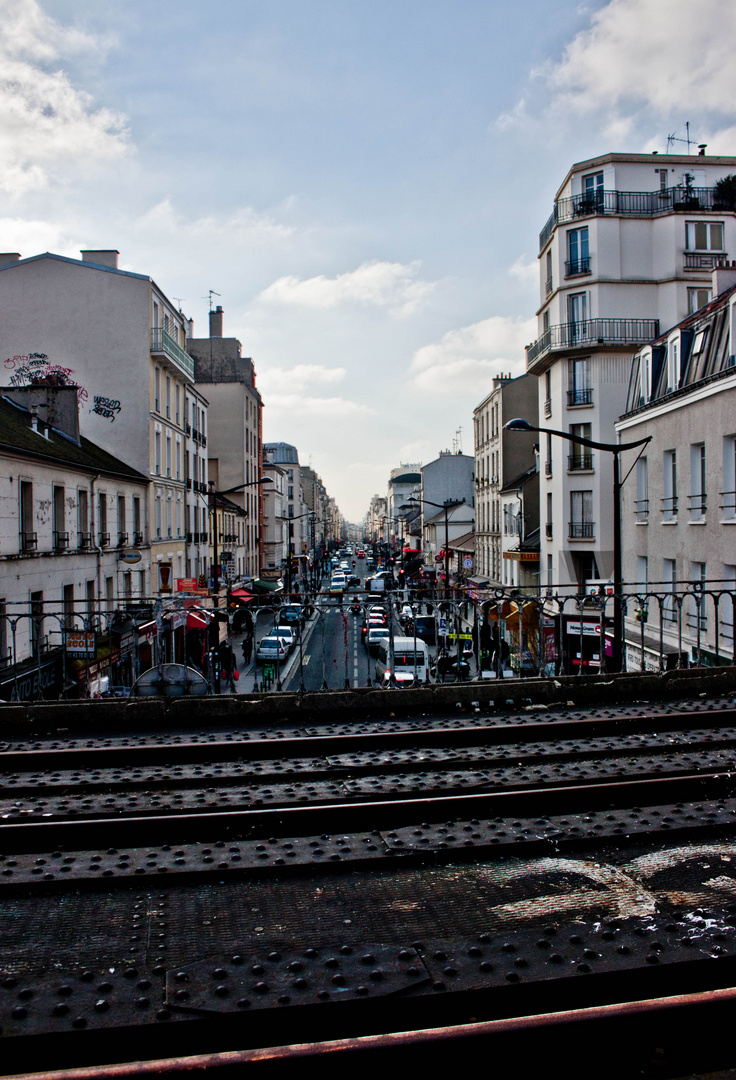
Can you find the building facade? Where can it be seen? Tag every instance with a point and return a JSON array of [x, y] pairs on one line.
[[627, 252]]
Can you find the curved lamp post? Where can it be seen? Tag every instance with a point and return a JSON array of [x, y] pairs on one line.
[[447, 505], [614, 449]]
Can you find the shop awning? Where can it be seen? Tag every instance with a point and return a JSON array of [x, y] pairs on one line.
[[261, 585], [242, 594], [197, 620]]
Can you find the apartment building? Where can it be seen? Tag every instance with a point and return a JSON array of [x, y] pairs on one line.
[[679, 505], [74, 547], [227, 380], [117, 337], [500, 457], [626, 253]]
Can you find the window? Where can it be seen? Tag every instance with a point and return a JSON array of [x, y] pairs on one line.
[[61, 537], [548, 527], [673, 366], [579, 391], [642, 491], [177, 397], [157, 390], [157, 453], [581, 515], [82, 516], [168, 395], [122, 531], [697, 482], [578, 256], [669, 484], [68, 605], [169, 515], [697, 298], [704, 235], [550, 571], [728, 506], [104, 536], [577, 315], [168, 455], [157, 513], [580, 456], [593, 191], [645, 376], [697, 616], [27, 534], [669, 577], [548, 281], [642, 572], [545, 321], [137, 518]]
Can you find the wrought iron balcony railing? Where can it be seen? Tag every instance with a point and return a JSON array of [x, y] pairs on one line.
[[162, 343], [577, 266], [591, 332], [581, 530], [579, 462], [704, 260], [580, 396]]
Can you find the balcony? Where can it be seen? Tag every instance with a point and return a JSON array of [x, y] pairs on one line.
[[85, 540], [581, 530], [577, 266], [163, 344], [61, 541], [122, 540], [137, 539], [592, 332], [631, 204], [104, 539], [28, 541], [704, 260], [580, 396], [580, 463]]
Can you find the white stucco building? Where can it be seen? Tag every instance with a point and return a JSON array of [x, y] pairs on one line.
[[117, 336], [626, 253]]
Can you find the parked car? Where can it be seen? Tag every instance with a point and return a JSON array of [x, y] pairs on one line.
[[426, 628], [287, 635], [293, 616], [374, 636], [271, 648]]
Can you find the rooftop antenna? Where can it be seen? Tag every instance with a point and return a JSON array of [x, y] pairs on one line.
[[675, 138], [457, 442], [180, 300], [209, 296]]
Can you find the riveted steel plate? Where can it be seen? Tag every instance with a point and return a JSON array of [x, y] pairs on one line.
[[240, 982]]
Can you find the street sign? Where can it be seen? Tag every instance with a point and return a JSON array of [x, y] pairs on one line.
[[130, 555], [590, 629], [467, 563]]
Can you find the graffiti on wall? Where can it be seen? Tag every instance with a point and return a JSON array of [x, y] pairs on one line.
[[107, 407], [36, 368]]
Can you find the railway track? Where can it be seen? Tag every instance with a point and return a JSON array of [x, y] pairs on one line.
[[230, 888]]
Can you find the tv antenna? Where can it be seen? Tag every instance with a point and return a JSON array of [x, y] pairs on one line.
[[676, 138], [180, 300], [457, 442], [209, 296]]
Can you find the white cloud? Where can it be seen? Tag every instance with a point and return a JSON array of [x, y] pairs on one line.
[[393, 286], [465, 361], [300, 406], [526, 270], [30, 237], [45, 122], [244, 226], [513, 118], [297, 380]]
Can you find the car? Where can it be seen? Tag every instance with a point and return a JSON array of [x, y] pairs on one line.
[[354, 582], [271, 648], [293, 616], [374, 637], [287, 635], [406, 615]]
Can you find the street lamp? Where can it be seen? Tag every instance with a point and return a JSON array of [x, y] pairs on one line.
[[447, 505], [313, 517], [615, 449], [213, 496]]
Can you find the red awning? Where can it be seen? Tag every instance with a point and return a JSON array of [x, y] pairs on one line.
[[242, 594], [197, 620]]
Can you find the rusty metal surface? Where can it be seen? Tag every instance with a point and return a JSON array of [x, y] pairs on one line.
[[609, 871]]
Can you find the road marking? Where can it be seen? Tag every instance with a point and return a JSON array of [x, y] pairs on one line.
[[305, 659]]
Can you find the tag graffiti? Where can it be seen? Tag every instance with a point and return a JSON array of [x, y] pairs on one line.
[[107, 407], [36, 368]]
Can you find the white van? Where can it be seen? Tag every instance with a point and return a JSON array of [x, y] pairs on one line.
[[411, 662]]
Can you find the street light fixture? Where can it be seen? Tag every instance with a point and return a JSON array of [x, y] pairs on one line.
[[447, 505], [213, 495], [614, 449]]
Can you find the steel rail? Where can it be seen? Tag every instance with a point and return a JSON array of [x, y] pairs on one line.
[[307, 820], [320, 745]]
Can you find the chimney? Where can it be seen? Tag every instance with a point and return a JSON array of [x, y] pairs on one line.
[[8, 257], [723, 277], [216, 322], [103, 257]]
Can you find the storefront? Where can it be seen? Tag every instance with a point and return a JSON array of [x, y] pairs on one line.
[[34, 680]]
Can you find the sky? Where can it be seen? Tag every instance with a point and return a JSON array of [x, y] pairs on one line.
[[362, 184]]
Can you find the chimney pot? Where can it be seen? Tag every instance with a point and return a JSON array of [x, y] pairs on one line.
[[101, 256], [9, 257], [216, 322]]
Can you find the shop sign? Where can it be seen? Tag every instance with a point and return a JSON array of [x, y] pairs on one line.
[[34, 683], [590, 629], [178, 619], [186, 584], [79, 643], [467, 563], [127, 642], [130, 555], [270, 574]]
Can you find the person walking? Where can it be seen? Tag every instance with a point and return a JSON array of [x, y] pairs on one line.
[[247, 647]]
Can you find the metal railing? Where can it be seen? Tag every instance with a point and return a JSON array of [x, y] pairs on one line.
[[104, 539], [548, 530], [642, 509], [703, 261], [28, 541], [579, 462], [591, 332], [631, 204], [581, 530], [548, 407], [577, 266], [580, 396], [61, 541], [698, 504], [548, 286], [163, 342]]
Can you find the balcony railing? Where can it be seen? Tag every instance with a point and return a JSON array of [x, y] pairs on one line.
[[137, 539], [631, 204], [579, 462], [61, 541], [580, 396], [28, 541], [669, 507], [581, 530], [704, 261], [84, 540], [577, 266], [548, 407], [548, 468], [548, 286], [548, 530], [122, 539], [642, 509], [104, 539], [591, 332], [697, 506], [163, 343]]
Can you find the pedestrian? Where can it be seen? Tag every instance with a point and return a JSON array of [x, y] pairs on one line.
[[247, 648]]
